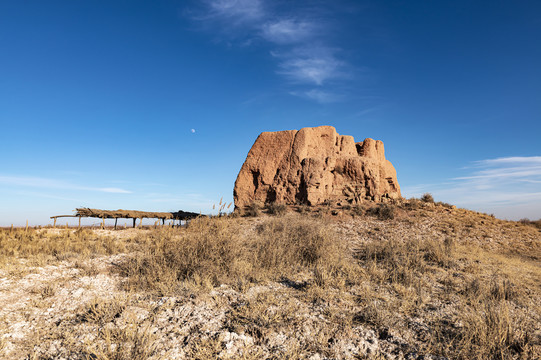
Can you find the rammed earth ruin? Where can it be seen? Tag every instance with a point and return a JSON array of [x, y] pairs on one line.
[[314, 166]]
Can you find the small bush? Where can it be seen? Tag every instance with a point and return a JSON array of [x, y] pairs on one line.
[[382, 211], [446, 205], [428, 198], [358, 210], [276, 209], [252, 210], [303, 209], [527, 221], [132, 342], [101, 311], [412, 204]]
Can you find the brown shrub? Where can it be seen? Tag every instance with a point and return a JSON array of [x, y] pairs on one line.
[[382, 211], [252, 210], [212, 251], [276, 209], [536, 223]]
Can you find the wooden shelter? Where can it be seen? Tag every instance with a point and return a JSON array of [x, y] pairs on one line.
[[129, 214]]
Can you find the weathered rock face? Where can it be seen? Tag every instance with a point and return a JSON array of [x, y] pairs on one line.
[[312, 166]]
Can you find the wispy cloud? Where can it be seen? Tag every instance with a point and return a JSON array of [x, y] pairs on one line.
[[38, 182], [310, 65], [507, 186], [45, 195], [318, 95], [507, 169], [110, 190], [289, 31], [237, 11], [513, 160], [303, 54]]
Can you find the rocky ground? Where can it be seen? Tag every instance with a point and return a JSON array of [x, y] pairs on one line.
[[432, 282]]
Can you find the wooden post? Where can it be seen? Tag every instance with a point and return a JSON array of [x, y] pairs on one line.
[[54, 224], [141, 223], [133, 222], [116, 219], [103, 222], [26, 229], [11, 228], [79, 222]]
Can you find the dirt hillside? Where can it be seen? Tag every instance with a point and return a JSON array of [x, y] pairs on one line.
[[415, 281]]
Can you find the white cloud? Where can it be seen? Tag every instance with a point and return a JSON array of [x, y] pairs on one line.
[[288, 31], [110, 190], [303, 55], [28, 181], [513, 160], [509, 187], [507, 169], [238, 11], [310, 65], [323, 97]]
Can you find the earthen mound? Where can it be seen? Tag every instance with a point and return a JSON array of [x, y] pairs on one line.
[[313, 166]]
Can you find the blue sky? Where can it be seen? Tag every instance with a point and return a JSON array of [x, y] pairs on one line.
[[153, 105]]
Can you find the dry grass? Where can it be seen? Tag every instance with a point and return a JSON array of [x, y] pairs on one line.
[[381, 211], [276, 209], [491, 313], [401, 277], [534, 223], [252, 210], [430, 280], [211, 252], [42, 246], [133, 342]]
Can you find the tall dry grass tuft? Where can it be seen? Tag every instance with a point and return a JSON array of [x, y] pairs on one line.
[[403, 262], [485, 328], [213, 251], [132, 342]]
